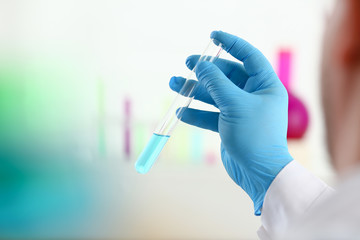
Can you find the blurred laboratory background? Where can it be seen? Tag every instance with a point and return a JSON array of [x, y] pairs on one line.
[[82, 86]]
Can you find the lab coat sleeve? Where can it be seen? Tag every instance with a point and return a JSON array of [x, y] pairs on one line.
[[294, 191]]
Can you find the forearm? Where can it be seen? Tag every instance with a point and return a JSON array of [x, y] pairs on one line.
[[293, 192]]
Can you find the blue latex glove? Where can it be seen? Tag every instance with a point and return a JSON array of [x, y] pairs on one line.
[[252, 121]]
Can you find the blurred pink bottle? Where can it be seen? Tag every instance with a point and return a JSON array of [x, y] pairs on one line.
[[298, 117], [127, 132]]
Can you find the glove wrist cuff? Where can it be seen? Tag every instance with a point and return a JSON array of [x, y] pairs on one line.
[[261, 183]]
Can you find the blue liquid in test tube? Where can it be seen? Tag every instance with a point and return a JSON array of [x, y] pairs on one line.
[[162, 133], [151, 152]]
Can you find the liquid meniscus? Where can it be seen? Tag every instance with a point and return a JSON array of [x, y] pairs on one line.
[[150, 153]]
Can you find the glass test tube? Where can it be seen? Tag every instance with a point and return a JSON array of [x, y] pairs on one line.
[[162, 133]]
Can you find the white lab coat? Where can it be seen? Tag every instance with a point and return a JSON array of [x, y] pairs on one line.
[[298, 205]]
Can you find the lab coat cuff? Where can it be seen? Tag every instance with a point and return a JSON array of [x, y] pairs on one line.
[[290, 195]]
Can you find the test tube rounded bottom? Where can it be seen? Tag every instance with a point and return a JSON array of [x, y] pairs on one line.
[[151, 152]]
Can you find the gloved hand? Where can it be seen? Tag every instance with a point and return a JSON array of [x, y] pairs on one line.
[[252, 121]]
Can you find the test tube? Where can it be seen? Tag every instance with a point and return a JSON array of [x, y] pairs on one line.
[[163, 131]]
